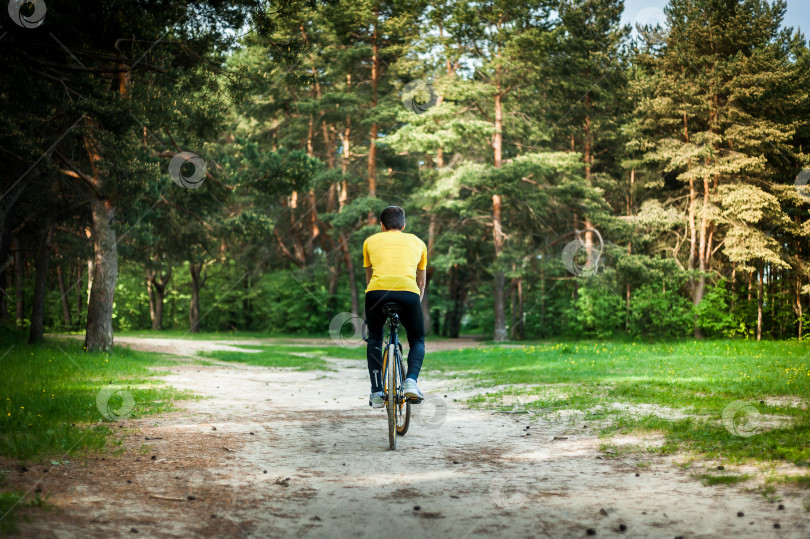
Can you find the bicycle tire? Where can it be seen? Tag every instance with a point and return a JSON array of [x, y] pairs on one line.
[[391, 397], [402, 416]]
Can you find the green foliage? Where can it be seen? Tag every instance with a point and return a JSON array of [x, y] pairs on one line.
[[50, 395], [681, 147], [714, 313], [599, 313], [655, 312], [291, 301]]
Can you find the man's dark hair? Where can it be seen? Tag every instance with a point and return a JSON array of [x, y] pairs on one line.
[[393, 218]]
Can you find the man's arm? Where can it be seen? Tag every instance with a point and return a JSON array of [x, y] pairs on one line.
[[421, 280], [369, 273]]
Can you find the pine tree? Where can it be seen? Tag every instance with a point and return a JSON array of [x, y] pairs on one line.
[[702, 118]]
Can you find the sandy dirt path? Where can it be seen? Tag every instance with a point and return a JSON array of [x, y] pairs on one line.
[[275, 453]]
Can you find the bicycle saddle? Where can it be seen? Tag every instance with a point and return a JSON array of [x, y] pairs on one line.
[[390, 308]]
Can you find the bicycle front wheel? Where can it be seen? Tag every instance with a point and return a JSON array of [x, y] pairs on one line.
[[391, 396], [403, 406]]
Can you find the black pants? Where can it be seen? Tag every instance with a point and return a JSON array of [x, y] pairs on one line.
[[410, 316]]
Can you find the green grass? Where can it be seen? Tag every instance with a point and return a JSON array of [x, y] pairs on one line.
[[281, 338], [699, 378], [10, 505], [298, 357], [50, 395], [708, 479], [50, 403]]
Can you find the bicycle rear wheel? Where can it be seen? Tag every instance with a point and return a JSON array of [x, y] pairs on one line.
[[391, 396], [403, 406]]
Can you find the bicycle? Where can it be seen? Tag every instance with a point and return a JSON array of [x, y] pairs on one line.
[[397, 406]]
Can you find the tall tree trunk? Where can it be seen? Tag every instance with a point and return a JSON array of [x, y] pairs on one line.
[[372, 146], [314, 229], [628, 289], [542, 271], [426, 315], [733, 286], [63, 295], [702, 247], [759, 301], [150, 291], [692, 247], [692, 228], [99, 333], [703, 254], [43, 257], [799, 302], [347, 258], [334, 277], [512, 308], [90, 273], [19, 281], [6, 260], [79, 297], [750, 277], [8, 202], [500, 279], [499, 309], [247, 305], [773, 276], [8, 199], [343, 197], [588, 158], [3, 302], [197, 282], [451, 291], [457, 296], [521, 329], [156, 282]]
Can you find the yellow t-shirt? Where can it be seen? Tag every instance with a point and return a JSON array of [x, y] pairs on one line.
[[394, 256]]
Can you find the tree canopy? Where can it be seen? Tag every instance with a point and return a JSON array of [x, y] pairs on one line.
[[218, 165]]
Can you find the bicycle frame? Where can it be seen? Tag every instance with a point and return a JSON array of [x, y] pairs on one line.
[[398, 406], [392, 337]]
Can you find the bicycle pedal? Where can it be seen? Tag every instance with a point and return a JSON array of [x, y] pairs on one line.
[[414, 400]]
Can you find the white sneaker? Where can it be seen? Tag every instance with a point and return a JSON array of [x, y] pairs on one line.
[[376, 400], [411, 389]]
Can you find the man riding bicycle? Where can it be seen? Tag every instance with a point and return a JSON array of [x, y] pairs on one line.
[[395, 265]]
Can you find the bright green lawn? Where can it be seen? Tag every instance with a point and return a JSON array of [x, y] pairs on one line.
[[298, 357], [50, 406], [49, 395], [697, 377]]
